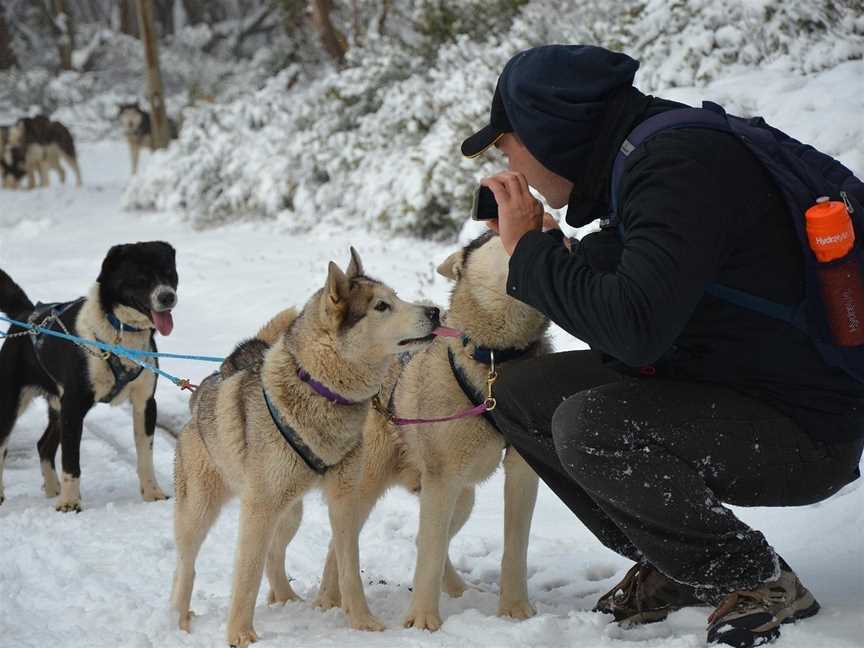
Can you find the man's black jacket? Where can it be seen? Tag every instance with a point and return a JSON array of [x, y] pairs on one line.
[[695, 207]]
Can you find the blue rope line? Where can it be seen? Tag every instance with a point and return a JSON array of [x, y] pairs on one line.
[[131, 354], [159, 354]]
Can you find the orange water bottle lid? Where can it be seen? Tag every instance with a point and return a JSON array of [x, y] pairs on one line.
[[829, 229]]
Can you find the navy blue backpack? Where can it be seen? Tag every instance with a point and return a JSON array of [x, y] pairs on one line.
[[802, 174]]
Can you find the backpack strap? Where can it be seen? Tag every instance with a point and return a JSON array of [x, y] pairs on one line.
[[710, 116], [794, 315]]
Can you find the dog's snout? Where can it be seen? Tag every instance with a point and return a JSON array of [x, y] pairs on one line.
[[167, 299], [434, 315]]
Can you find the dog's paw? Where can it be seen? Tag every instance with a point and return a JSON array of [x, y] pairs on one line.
[[366, 622], [70, 506], [51, 489], [185, 622], [327, 601], [241, 638], [516, 609], [454, 586], [423, 620], [153, 494], [282, 597], [50, 483]]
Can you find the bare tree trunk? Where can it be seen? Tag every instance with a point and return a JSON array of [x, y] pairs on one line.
[[65, 30], [356, 24], [333, 42], [99, 13], [7, 54], [158, 118], [165, 15], [382, 18], [128, 18]]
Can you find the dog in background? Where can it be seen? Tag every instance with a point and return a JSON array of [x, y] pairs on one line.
[[444, 462], [285, 415], [138, 129], [11, 161], [44, 143], [131, 299], [12, 168]]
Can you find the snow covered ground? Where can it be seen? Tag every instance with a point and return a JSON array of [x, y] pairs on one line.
[[102, 578]]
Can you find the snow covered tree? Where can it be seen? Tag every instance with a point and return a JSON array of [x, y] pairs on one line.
[[332, 39]]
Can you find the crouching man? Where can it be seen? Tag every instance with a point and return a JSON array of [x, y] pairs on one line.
[[686, 402]]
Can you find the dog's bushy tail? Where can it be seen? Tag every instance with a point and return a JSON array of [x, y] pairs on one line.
[[273, 330], [64, 140], [250, 353], [13, 300]]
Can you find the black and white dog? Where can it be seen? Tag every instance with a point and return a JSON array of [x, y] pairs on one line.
[[133, 295]]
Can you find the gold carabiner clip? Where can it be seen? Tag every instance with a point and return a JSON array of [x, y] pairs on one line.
[[490, 401]]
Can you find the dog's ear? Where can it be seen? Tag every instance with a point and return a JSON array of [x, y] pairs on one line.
[[451, 267], [355, 266], [112, 259], [336, 294]]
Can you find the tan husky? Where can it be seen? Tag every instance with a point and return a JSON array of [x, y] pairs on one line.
[[445, 461], [267, 430]]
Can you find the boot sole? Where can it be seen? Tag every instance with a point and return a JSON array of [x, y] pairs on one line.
[[744, 636]]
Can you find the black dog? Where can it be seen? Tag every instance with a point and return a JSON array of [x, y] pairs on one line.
[[134, 295]]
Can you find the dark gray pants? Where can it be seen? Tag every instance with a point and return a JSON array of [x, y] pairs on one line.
[[645, 464]]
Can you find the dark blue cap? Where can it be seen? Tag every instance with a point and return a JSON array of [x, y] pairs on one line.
[[553, 98]]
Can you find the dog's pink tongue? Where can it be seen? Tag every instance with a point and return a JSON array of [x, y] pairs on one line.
[[163, 321], [446, 331]]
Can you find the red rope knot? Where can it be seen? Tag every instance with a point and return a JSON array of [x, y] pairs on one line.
[[186, 385]]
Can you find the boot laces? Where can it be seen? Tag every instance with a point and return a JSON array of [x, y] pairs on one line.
[[762, 598]]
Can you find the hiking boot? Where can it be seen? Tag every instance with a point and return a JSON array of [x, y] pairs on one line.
[[645, 596], [746, 619]]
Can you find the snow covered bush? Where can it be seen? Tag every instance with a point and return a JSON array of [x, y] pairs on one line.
[[376, 142], [684, 42]]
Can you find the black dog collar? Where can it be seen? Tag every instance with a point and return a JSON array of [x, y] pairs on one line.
[[483, 355]]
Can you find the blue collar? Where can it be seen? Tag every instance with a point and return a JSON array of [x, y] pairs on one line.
[[120, 326], [483, 355]]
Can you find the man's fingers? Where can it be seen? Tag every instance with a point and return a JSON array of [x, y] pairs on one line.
[[523, 181], [514, 187], [499, 189]]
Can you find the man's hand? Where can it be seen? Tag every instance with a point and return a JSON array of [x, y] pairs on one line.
[[518, 211]]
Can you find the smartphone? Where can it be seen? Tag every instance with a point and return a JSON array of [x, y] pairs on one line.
[[484, 207]]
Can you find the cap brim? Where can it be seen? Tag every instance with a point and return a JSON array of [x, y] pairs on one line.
[[480, 141]]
